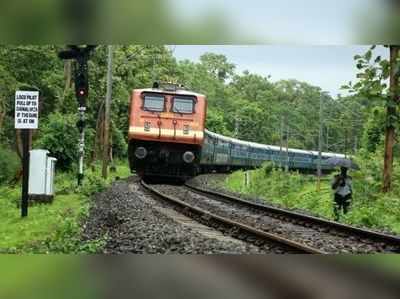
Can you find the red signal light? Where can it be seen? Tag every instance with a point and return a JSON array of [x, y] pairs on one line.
[[82, 92]]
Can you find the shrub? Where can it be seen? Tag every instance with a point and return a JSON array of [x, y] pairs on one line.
[[9, 164], [93, 183], [65, 182], [59, 135], [119, 145]]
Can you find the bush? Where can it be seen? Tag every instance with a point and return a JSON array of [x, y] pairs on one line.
[[9, 165], [119, 145], [65, 182], [59, 135], [93, 183]]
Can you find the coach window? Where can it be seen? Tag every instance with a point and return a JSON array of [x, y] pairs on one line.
[[183, 105], [153, 102]]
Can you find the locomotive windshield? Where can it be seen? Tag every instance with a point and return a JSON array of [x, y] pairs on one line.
[[183, 105], [153, 103]]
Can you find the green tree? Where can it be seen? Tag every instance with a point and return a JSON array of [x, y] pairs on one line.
[[373, 76], [59, 135], [217, 66]]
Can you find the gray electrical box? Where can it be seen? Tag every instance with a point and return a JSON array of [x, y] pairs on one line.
[[41, 176]]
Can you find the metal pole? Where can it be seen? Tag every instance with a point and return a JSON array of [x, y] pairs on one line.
[[355, 144], [237, 120], [319, 166], [81, 149], [106, 146], [345, 143], [25, 172], [287, 147], [281, 143], [327, 137]]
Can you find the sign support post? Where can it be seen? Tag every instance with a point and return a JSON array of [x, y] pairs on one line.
[[25, 172]]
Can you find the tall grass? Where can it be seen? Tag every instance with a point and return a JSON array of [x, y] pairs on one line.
[[370, 208]]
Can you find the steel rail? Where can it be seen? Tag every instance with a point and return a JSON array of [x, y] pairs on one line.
[[364, 233], [248, 229]]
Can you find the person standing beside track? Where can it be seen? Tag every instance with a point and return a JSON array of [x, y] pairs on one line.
[[343, 192]]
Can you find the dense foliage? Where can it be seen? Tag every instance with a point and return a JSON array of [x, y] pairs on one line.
[[58, 135], [8, 164]]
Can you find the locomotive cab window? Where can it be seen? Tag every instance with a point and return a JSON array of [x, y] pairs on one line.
[[183, 105], [152, 102]]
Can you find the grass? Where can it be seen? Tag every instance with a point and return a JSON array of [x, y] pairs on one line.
[[296, 191], [42, 223], [52, 227]]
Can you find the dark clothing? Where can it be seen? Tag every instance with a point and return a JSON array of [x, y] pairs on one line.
[[341, 202]]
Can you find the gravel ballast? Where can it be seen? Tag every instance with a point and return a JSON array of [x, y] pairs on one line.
[[131, 221]]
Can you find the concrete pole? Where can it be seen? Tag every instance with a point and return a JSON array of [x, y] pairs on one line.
[[327, 138], [345, 143], [106, 145], [287, 146], [319, 166], [237, 124], [281, 143]]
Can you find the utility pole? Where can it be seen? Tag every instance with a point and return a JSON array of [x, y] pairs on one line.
[[355, 144], [281, 143], [327, 137], [287, 144], [106, 145], [345, 143], [237, 123], [391, 116], [319, 166]]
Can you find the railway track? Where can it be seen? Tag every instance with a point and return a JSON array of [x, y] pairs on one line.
[[270, 242], [305, 227]]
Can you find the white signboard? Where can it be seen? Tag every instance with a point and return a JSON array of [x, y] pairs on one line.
[[26, 109]]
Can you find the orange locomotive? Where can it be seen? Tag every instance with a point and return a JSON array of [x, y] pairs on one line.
[[166, 131]]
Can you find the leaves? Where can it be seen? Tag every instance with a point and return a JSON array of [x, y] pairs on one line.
[[368, 55]]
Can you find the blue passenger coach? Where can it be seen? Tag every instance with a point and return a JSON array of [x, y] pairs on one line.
[[223, 153]]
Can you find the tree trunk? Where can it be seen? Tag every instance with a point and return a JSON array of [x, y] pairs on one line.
[[99, 135], [112, 164], [67, 75], [390, 115], [67, 85], [107, 108], [2, 113], [18, 143]]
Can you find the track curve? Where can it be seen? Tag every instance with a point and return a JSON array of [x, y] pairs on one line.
[[252, 234]]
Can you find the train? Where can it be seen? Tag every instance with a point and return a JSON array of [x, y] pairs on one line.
[[168, 138]]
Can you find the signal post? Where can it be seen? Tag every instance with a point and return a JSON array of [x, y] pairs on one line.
[[81, 56]]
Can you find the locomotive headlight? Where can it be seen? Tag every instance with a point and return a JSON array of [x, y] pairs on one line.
[[186, 129], [188, 157], [141, 152]]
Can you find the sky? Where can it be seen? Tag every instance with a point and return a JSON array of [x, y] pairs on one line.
[[328, 67], [290, 21]]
